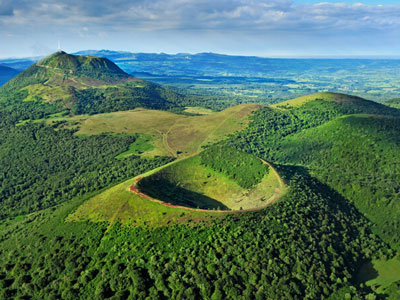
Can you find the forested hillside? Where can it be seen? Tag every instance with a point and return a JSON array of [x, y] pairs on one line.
[[356, 155], [308, 246], [44, 165], [339, 158], [243, 168]]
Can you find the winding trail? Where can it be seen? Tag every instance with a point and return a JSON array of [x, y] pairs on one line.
[[133, 188]]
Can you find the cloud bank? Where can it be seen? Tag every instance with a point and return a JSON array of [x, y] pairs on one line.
[[240, 25]]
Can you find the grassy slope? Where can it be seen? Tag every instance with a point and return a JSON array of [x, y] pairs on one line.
[[365, 149], [190, 175], [141, 144], [198, 110], [380, 273], [335, 97], [171, 133], [119, 204]]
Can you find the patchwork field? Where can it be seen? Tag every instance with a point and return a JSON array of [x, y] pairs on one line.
[[172, 134]]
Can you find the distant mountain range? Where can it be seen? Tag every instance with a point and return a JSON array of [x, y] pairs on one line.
[[254, 78], [6, 73]]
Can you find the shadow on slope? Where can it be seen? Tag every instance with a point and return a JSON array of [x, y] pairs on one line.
[[162, 189]]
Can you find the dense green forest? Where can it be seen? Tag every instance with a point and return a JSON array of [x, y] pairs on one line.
[[247, 170], [357, 156], [307, 246], [43, 166], [13, 109]]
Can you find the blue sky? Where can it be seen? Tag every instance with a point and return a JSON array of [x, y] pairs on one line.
[[367, 2], [274, 28]]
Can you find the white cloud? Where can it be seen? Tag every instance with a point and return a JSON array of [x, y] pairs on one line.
[[277, 19], [204, 14]]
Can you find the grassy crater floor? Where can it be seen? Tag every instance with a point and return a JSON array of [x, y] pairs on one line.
[[189, 183]]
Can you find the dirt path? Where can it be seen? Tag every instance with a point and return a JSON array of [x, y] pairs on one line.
[[215, 129], [281, 182], [115, 216], [278, 192], [164, 137]]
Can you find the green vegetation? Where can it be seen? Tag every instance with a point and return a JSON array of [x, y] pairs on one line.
[[307, 246], [247, 170], [73, 227], [198, 110], [87, 85], [358, 156], [42, 166], [124, 97], [119, 205], [64, 69], [361, 150], [393, 103], [140, 145], [334, 97], [172, 134], [193, 184], [381, 274]]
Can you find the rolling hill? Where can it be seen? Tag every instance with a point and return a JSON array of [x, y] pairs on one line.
[[326, 96], [86, 85], [342, 103]]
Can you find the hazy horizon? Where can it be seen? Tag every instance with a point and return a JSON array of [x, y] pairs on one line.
[[361, 57]]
